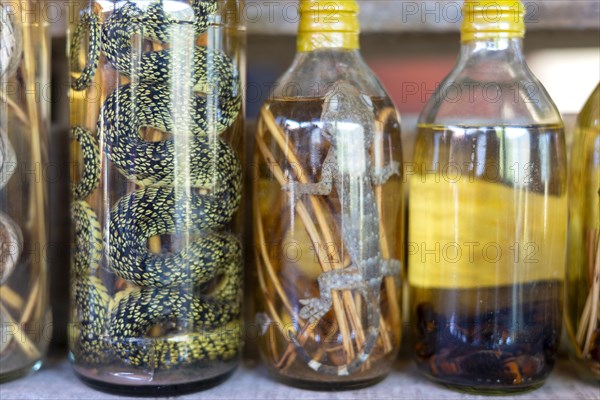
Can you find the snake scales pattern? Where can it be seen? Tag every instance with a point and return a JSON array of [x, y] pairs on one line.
[[189, 183]]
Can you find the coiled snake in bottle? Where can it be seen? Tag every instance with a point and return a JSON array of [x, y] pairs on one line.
[[189, 183]]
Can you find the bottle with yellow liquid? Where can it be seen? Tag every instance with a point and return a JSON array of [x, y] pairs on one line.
[[328, 212], [488, 215], [582, 315]]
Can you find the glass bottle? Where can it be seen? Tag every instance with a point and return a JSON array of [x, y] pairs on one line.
[[582, 315], [487, 215], [157, 122], [328, 212], [25, 317]]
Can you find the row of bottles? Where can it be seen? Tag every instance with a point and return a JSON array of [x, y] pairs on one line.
[[157, 200]]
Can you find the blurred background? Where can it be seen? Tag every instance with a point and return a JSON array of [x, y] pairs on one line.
[[411, 46]]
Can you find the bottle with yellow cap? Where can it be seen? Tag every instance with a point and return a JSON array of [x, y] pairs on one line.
[[582, 311], [328, 213], [488, 215]]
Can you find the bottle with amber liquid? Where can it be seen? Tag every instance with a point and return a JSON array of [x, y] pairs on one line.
[[582, 311], [25, 313], [488, 215], [328, 212]]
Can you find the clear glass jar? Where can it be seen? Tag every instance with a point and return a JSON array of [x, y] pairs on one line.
[[487, 218], [582, 315], [157, 122], [25, 317], [328, 216]]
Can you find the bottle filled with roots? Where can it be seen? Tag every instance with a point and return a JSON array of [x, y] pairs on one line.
[[156, 136], [328, 212], [25, 317], [582, 303]]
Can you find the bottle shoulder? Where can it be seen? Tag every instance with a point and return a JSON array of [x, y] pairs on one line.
[[488, 91], [589, 117], [312, 75]]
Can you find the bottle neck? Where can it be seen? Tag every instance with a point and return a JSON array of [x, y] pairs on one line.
[[314, 41], [328, 53], [500, 49]]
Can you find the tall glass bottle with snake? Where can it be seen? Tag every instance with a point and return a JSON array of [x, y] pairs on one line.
[[328, 212], [582, 303], [488, 215], [156, 125], [25, 318]]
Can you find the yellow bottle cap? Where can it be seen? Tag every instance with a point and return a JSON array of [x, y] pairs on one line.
[[328, 24], [492, 19]]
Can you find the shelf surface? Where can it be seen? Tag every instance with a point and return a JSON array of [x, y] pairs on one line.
[[56, 381]]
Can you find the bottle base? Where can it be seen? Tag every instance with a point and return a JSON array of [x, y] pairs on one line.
[[328, 385], [149, 390], [21, 372], [484, 390]]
